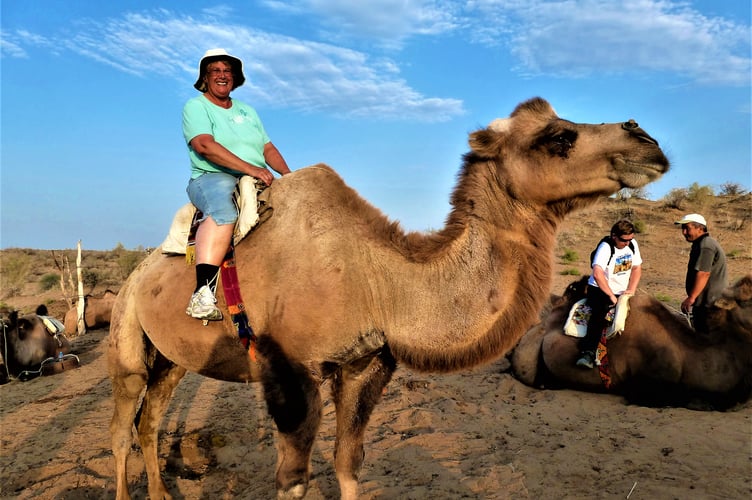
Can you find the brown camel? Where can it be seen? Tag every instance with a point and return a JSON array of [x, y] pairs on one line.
[[97, 312], [336, 291], [658, 360], [26, 342]]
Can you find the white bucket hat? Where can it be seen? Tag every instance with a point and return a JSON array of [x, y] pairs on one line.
[[213, 55], [696, 218]]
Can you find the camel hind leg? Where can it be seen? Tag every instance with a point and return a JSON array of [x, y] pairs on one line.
[[156, 383], [164, 377], [126, 390], [357, 388]]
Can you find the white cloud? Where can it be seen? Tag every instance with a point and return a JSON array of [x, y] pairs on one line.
[[281, 71], [388, 22], [575, 38]]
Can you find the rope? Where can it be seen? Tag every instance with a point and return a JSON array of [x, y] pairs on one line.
[[5, 350]]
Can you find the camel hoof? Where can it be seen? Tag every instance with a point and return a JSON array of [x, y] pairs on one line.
[[297, 491]]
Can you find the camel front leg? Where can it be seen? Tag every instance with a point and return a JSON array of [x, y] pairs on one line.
[[164, 376], [356, 390], [294, 402]]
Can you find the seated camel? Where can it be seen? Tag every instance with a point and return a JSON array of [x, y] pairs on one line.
[[334, 291], [29, 347], [97, 312], [658, 360]]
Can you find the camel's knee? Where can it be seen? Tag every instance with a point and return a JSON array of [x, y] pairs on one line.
[[128, 387]]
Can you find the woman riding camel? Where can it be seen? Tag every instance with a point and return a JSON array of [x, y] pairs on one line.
[[226, 140]]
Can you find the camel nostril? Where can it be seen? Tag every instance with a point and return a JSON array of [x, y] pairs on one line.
[[634, 129]]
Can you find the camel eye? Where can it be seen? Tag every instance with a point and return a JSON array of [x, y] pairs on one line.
[[556, 141], [561, 143]]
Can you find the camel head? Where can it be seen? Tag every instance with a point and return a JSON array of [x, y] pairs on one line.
[[732, 313], [22, 327], [538, 158]]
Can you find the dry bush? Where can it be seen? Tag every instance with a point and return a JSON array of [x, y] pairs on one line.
[[732, 189], [15, 265]]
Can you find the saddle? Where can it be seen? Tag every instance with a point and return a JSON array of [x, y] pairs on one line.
[[579, 314], [250, 209], [576, 326]]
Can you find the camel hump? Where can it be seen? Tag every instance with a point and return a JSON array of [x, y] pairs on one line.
[[312, 182]]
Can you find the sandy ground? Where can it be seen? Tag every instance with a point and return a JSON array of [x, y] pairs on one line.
[[474, 434]]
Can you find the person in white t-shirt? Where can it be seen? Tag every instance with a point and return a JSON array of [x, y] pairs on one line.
[[617, 268]]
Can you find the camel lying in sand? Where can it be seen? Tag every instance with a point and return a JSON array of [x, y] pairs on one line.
[[97, 312], [26, 342], [657, 360], [336, 291]]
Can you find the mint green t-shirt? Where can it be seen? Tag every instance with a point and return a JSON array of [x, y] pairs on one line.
[[238, 129]]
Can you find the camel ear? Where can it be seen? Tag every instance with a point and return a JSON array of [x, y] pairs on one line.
[[485, 143], [501, 125], [744, 288], [725, 303]]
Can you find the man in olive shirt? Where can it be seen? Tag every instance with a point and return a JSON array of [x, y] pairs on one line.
[[706, 271]]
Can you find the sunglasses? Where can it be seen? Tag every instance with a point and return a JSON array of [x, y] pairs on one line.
[[624, 240]]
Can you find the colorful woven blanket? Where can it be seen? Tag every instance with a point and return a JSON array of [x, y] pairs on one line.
[[228, 275]]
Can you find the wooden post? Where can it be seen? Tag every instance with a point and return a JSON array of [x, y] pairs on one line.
[[80, 308]]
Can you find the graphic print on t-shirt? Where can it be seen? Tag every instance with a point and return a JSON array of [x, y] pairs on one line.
[[623, 263]]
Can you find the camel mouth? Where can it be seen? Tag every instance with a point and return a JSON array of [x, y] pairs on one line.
[[637, 174]]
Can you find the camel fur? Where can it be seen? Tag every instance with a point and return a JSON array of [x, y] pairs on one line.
[[97, 312], [658, 360], [337, 292]]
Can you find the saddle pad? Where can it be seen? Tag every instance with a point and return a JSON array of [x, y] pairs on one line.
[[245, 197], [53, 325], [576, 324], [620, 316]]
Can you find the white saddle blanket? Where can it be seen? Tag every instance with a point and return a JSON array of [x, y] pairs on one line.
[[576, 324], [246, 199]]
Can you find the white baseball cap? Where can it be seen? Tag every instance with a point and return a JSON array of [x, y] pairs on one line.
[[696, 218]]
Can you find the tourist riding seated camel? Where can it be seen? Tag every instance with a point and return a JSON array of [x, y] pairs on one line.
[[617, 268]]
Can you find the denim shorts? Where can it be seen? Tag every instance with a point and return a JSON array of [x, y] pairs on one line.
[[211, 193]]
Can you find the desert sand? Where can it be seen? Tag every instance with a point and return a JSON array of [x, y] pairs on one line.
[[473, 434]]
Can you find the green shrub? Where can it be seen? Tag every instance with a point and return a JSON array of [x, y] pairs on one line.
[[49, 281], [639, 226], [662, 297], [676, 198], [736, 253], [128, 260], [570, 272], [90, 278], [700, 195], [569, 255]]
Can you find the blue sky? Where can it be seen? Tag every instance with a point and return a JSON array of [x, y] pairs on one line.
[[384, 91]]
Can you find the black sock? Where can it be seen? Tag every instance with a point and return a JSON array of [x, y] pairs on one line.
[[206, 274]]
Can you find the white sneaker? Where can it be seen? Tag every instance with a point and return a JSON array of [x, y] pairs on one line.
[[202, 305]]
